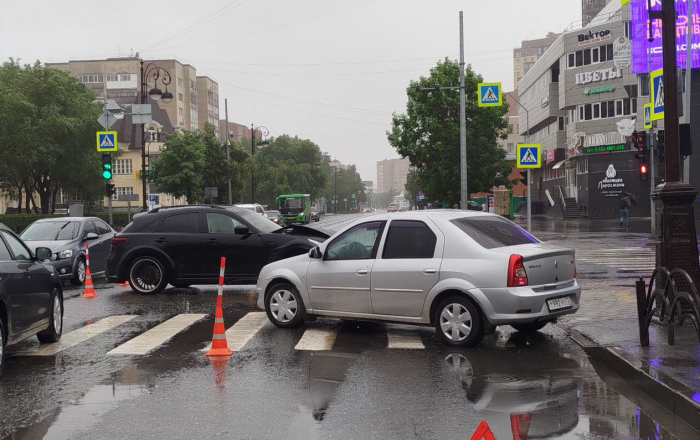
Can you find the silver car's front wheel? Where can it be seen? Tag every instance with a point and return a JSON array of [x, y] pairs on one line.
[[458, 322], [284, 306]]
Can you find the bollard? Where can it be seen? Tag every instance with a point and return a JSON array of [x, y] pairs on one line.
[[642, 312]]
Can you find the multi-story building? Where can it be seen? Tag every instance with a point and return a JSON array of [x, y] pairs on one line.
[[591, 8], [525, 56], [392, 174], [575, 96], [236, 131], [195, 98]]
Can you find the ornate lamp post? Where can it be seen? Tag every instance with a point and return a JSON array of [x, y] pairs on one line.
[[263, 132]]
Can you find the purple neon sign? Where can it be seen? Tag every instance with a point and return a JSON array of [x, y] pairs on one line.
[[648, 56]]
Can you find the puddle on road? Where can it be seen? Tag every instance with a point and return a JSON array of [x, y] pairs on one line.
[[84, 412]]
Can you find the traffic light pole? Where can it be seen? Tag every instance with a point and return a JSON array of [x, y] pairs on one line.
[[652, 169], [109, 209]]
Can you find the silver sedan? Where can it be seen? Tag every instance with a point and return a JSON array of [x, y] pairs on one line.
[[462, 271]]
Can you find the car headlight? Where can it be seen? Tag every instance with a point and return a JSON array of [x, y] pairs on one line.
[[61, 255]]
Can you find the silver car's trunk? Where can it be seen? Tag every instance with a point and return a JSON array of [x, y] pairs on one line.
[[544, 263]]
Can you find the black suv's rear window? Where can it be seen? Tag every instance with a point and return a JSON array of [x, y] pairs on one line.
[[494, 232]]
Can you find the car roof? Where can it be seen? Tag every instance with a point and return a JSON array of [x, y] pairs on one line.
[[247, 205], [70, 219], [446, 214]]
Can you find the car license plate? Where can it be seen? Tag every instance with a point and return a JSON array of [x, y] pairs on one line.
[[559, 303]]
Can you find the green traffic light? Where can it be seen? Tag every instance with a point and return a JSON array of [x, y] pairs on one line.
[[107, 174]]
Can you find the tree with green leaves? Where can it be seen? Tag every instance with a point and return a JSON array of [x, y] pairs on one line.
[[428, 134], [179, 170], [47, 134]]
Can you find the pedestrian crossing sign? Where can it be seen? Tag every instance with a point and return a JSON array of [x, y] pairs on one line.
[[106, 141], [490, 94], [529, 156], [656, 79], [647, 115]]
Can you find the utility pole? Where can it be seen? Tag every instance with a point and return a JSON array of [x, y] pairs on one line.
[[688, 75], [679, 246], [252, 153], [464, 192], [653, 171], [527, 141], [228, 152]]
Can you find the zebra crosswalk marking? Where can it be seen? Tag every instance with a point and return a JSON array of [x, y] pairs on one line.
[[404, 340], [77, 336], [316, 340], [153, 338], [242, 331]]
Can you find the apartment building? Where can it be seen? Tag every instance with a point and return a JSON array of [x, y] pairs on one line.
[[392, 174], [195, 98], [236, 131], [525, 56], [591, 8]]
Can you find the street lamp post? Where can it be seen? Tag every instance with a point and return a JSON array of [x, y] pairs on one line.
[[335, 186], [264, 132], [155, 93]]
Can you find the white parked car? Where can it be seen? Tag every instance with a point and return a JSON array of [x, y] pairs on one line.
[[464, 272]]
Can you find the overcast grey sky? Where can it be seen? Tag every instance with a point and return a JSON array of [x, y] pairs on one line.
[[328, 70]]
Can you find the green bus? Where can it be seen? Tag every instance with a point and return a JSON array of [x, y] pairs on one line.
[[295, 208]]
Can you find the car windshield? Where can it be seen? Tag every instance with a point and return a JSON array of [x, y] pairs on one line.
[[258, 222], [493, 231], [51, 231], [290, 203]]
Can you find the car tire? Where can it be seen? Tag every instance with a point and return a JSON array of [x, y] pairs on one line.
[[3, 344], [284, 299], [53, 333], [530, 327], [147, 275], [79, 273], [457, 333]]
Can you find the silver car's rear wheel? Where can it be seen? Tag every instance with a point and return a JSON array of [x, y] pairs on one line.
[[284, 306], [458, 322]]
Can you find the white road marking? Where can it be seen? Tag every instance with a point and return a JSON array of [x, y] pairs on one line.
[[404, 341], [148, 341], [316, 340], [243, 330], [77, 336]]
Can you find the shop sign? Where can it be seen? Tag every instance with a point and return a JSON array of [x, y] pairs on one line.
[[595, 139], [550, 156], [611, 185], [598, 75], [604, 148], [596, 90], [593, 37], [622, 53]]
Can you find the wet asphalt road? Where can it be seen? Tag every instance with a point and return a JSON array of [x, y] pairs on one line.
[[360, 387]]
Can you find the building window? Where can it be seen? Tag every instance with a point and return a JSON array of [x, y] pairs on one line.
[[579, 58], [180, 111], [618, 107], [644, 84], [180, 97], [112, 77], [122, 191], [122, 166], [90, 78], [572, 61], [510, 128], [124, 77], [193, 85], [588, 112], [586, 57], [627, 29], [510, 147], [179, 82], [582, 165], [561, 123]]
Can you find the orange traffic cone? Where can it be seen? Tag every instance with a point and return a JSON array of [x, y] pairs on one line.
[[89, 290], [125, 283], [218, 341]]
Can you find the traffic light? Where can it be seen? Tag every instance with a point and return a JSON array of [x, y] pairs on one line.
[[106, 166], [110, 189], [523, 177], [643, 171], [661, 145], [639, 139]]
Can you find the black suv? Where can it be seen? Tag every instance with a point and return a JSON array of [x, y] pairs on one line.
[[183, 245]]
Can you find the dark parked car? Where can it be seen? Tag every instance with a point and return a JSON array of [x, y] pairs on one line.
[[31, 298], [66, 237], [275, 216], [183, 245], [474, 206]]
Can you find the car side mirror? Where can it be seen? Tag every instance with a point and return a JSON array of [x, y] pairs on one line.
[[43, 253], [91, 236], [315, 253], [241, 230]]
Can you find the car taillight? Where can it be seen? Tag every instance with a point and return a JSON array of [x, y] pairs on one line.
[[574, 264], [118, 240], [516, 271]]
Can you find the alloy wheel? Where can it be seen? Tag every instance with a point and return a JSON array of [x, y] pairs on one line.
[[456, 322], [81, 271], [146, 274], [283, 306], [57, 315]]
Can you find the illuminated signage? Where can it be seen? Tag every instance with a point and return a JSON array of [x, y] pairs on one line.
[[604, 148], [596, 90], [648, 56]]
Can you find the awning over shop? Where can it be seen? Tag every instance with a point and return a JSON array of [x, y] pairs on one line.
[[560, 163]]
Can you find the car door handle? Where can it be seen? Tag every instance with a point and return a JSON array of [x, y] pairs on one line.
[[361, 272], [212, 241], [429, 271], [161, 240]]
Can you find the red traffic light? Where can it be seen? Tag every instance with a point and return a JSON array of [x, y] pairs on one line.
[[643, 169]]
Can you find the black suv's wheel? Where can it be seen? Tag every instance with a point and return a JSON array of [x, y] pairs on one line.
[[459, 322], [530, 327], [147, 275], [284, 306], [2, 346], [53, 333], [79, 273]]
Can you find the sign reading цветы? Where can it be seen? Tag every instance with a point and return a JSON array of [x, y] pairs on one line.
[[598, 75]]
